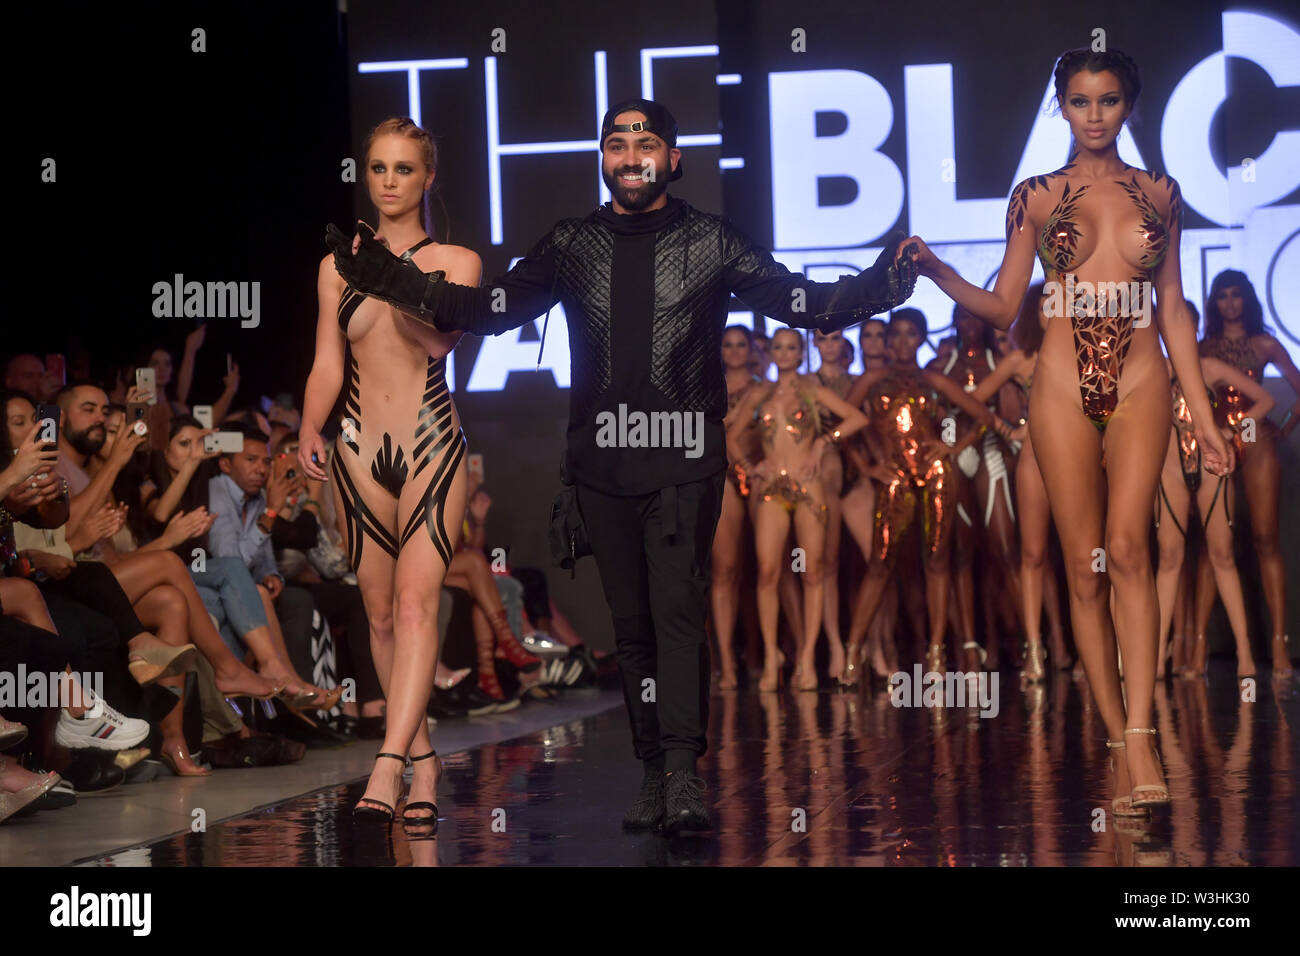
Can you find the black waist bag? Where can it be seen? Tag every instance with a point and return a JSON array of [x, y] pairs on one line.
[[568, 534]]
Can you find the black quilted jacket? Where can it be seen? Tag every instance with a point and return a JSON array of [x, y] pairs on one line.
[[700, 261]]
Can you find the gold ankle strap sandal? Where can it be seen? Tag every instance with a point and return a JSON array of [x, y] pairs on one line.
[[1122, 806], [1149, 794]]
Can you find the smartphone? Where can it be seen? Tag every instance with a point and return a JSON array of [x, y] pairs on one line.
[[48, 416], [57, 366], [475, 465], [203, 414], [136, 412], [230, 364], [146, 381], [226, 443]]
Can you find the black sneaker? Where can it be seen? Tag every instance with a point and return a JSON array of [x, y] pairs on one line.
[[684, 810], [647, 810], [479, 703], [444, 705]]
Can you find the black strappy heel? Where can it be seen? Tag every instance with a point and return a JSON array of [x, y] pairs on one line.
[[371, 814], [432, 821]]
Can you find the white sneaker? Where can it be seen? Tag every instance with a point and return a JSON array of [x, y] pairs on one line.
[[109, 731]]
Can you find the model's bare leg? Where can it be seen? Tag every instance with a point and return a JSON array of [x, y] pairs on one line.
[[724, 591], [771, 529], [1218, 538], [1261, 478], [832, 480], [1171, 515], [1068, 449], [1133, 471], [810, 531]]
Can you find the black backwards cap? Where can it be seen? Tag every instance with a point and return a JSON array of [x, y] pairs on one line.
[[658, 121]]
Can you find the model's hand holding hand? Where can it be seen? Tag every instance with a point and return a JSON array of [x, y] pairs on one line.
[[1219, 456], [914, 249], [368, 266]]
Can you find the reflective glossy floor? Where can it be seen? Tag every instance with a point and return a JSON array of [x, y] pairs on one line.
[[834, 779]]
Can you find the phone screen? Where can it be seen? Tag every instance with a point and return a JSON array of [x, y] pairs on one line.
[[48, 417]]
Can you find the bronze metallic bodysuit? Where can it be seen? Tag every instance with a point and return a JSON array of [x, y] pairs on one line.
[[1101, 340], [1240, 353], [419, 440], [802, 422], [902, 410]]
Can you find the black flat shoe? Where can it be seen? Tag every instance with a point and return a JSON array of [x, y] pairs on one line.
[[423, 821], [381, 813]]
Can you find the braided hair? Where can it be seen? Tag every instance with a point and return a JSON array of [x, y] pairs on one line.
[[405, 126], [1116, 61]]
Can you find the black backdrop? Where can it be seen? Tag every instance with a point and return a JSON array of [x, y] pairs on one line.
[[224, 165]]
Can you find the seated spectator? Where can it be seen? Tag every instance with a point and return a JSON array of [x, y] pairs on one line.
[[246, 499]]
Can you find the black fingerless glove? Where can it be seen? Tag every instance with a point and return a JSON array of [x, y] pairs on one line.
[[883, 286], [376, 272]]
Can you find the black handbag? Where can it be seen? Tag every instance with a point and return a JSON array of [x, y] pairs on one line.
[[568, 532]]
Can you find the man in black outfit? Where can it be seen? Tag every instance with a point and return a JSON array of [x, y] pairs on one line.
[[645, 281]]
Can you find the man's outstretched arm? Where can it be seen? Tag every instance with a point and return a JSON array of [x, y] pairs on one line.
[[522, 294], [768, 287]]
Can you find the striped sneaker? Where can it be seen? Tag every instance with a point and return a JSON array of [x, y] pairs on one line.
[[109, 731]]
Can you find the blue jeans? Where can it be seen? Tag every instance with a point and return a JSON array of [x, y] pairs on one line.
[[512, 599], [230, 595]]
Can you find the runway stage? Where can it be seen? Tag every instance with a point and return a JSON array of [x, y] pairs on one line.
[[838, 779]]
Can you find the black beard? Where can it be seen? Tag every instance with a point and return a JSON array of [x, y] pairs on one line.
[[82, 441], [638, 198]]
